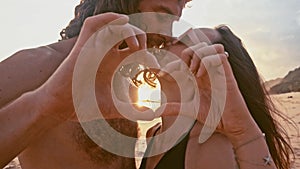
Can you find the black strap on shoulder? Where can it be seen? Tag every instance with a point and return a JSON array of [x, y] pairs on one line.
[[174, 158]]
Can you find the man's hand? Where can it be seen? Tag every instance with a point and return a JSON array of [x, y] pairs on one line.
[[56, 93]]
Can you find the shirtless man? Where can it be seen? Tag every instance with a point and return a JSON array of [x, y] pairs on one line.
[[36, 102], [37, 126]]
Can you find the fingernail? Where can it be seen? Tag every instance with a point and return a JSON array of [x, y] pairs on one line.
[[161, 74], [199, 74], [123, 15], [192, 71], [226, 53]]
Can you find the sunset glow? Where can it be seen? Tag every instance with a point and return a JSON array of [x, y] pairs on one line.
[[149, 96]]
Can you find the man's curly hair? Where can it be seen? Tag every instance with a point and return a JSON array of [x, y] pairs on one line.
[[88, 8], [85, 9]]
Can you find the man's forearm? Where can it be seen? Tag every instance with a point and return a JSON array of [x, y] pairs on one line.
[[21, 123]]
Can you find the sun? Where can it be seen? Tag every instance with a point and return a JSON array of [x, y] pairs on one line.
[[149, 96]]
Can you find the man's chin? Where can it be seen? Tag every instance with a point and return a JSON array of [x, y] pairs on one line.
[[95, 152]]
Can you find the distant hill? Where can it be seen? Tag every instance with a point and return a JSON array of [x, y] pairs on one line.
[[290, 83], [269, 84]]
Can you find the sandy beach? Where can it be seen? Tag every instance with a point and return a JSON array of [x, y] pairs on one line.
[[288, 103]]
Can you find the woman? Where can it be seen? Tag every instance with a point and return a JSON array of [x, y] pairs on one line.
[[46, 131], [219, 151]]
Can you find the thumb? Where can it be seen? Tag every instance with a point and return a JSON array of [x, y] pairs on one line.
[[187, 109], [177, 65], [142, 57]]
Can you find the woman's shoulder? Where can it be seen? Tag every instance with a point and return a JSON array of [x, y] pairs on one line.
[[153, 130], [216, 152]]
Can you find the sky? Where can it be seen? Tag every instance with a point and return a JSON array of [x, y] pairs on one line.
[[269, 29]]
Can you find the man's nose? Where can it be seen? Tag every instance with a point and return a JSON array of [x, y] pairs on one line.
[[175, 6]]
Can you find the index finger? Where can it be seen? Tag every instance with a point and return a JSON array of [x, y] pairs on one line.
[[98, 21]]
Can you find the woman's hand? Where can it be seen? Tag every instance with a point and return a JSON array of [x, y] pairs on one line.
[[221, 105], [221, 102]]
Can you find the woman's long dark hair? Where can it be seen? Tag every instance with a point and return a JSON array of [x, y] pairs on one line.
[[259, 103], [88, 8]]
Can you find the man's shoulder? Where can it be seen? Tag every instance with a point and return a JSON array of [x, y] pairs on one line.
[[38, 52], [62, 47], [58, 49]]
